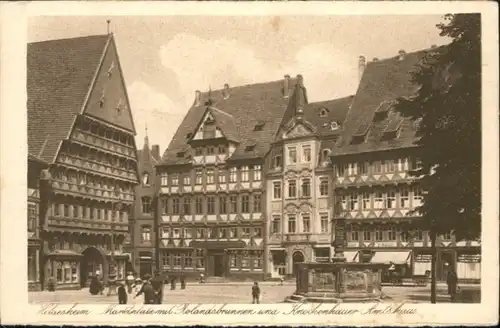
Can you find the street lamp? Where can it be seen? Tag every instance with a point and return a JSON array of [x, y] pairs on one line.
[[112, 275]]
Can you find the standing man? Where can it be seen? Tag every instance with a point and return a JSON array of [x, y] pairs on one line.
[[452, 280], [255, 293], [148, 291], [157, 283]]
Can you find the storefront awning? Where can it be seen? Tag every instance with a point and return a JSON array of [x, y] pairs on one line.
[[400, 257], [351, 256]]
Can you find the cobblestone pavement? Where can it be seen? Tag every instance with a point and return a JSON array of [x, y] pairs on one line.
[[241, 293]]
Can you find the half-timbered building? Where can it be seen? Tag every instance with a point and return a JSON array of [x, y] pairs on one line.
[[371, 163], [213, 193], [80, 123], [299, 187]]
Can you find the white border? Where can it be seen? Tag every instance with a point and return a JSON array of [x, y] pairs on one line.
[[14, 305]]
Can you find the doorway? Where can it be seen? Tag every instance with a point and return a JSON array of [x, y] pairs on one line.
[[219, 265], [297, 257], [445, 264], [92, 263]]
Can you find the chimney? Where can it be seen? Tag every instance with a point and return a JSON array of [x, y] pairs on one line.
[[300, 96], [155, 151], [433, 46], [361, 66], [197, 98], [286, 86], [300, 80], [375, 59], [225, 92], [402, 54]]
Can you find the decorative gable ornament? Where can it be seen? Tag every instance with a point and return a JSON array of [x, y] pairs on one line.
[[299, 130], [120, 107], [110, 70]]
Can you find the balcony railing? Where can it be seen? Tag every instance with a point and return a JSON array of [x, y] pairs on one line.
[[92, 191], [105, 169], [107, 144], [87, 223], [298, 237]]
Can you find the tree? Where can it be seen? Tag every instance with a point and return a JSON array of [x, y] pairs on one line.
[[447, 108]]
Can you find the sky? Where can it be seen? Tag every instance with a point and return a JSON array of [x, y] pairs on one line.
[[165, 59]]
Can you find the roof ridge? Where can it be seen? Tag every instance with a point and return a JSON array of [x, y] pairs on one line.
[[220, 110], [72, 38], [256, 84], [382, 60]]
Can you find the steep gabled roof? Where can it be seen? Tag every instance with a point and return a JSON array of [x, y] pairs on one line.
[[248, 105], [60, 73], [335, 111], [370, 115]]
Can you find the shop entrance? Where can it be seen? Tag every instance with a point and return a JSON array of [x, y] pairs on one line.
[[219, 265], [93, 262]]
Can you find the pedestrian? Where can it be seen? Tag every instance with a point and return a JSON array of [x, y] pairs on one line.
[[157, 283], [255, 293], [148, 291], [130, 282], [172, 283], [202, 278], [138, 285], [452, 280], [122, 294], [281, 280], [183, 282]]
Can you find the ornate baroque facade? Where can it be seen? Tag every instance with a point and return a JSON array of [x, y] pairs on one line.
[[80, 122]]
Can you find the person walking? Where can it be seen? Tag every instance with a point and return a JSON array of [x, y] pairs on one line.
[[157, 283], [122, 294], [255, 293], [451, 280], [148, 291]]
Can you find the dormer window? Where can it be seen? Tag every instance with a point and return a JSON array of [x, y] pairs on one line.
[[393, 129], [383, 109], [323, 112], [145, 179], [360, 135], [334, 125], [250, 147], [181, 154], [259, 126], [189, 135]]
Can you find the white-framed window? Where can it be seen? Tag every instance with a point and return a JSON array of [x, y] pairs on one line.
[[366, 200], [175, 206], [353, 202], [391, 234], [292, 188], [379, 236], [210, 205], [324, 223], [257, 173], [352, 169], [145, 234], [367, 234], [186, 205], [276, 224], [210, 176], [344, 202], [390, 166], [221, 176], [292, 224], [186, 180], [404, 198], [177, 259], [324, 187], [390, 199], [145, 179], [292, 155], [199, 176], [306, 153], [175, 179], [245, 174], [257, 202], [306, 222], [306, 187], [233, 174], [376, 167], [378, 201], [222, 205], [341, 169], [403, 164], [277, 190], [363, 167], [417, 197], [146, 204]]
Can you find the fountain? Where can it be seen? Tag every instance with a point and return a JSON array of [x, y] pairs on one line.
[[338, 281]]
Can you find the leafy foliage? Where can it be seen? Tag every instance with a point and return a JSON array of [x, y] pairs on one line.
[[447, 108]]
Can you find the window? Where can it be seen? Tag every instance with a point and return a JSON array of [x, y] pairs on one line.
[[244, 173], [446, 236], [256, 203], [245, 206], [367, 235], [291, 223], [344, 201], [402, 164], [306, 187], [417, 197], [352, 169], [418, 235], [221, 176], [259, 126], [391, 234], [177, 259], [378, 201], [145, 179], [146, 205], [200, 233], [353, 235], [245, 232], [210, 205], [277, 190], [390, 199], [187, 180], [221, 149], [66, 210], [376, 167], [210, 176], [277, 161], [199, 205], [340, 169], [257, 232], [145, 234], [233, 174], [31, 217], [390, 166], [306, 153], [199, 177], [365, 204], [324, 223], [175, 180], [404, 198], [257, 173], [233, 232], [233, 204], [363, 167], [306, 222], [198, 151], [292, 155], [210, 150], [222, 205], [175, 206], [292, 189], [379, 236], [353, 202], [323, 187], [276, 224], [325, 156]]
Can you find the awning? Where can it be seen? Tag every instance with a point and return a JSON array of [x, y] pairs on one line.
[[400, 257], [351, 256]]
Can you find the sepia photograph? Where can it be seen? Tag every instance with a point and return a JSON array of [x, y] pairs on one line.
[[255, 159]]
